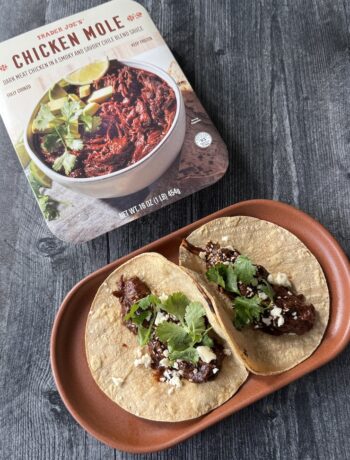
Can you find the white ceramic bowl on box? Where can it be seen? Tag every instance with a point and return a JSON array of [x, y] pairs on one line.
[[135, 177]]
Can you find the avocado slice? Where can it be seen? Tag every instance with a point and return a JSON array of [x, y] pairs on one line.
[[84, 91], [57, 92], [56, 105], [91, 108], [101, 95]]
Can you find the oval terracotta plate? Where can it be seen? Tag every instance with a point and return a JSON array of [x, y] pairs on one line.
[[119, 429]]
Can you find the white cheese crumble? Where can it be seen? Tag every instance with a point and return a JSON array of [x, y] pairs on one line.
[[225, 238], [145, 360], [227, 352], [276, 314], [118, 381], [172, 378], [206, 354], [215, 370], [279, 279], [266, 321], [166, 352], [262, 295], [276, 311], [280, 321], [160, 318], [202, 255], [163, 297], [164, 362]]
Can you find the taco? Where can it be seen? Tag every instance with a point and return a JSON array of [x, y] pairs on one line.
[[271, 295], [154, 346]]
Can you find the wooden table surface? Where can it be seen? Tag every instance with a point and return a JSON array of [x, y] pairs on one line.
[[275, 77]]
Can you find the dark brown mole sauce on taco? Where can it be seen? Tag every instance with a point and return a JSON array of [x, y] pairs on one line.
[[198, 365], [260, 300]]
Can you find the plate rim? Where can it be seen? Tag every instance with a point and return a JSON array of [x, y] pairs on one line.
[[342, 341]]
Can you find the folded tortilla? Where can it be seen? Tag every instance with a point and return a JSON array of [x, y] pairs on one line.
[[111, 349], [277, 250]]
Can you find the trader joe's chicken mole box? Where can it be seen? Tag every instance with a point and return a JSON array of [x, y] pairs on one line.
[[103, 120]]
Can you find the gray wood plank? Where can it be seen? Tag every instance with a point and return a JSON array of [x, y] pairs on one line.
[[274, 76]]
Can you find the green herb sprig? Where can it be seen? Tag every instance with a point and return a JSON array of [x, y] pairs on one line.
[[181, 336], [64, 128], [247, 310]]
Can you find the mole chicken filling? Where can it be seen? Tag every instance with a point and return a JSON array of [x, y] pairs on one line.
[[175, 330], [260, 300], [97, 129]]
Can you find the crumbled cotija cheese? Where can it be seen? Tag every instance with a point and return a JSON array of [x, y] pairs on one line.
[[206, 354], [202, 255], [280, 321], [262, 295], [276, 311], [227, 352], [145, 360], [160, 318], [279, 279], [164, 362], [173, 378]]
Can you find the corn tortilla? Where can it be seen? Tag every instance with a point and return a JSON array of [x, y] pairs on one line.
[[277, 250], [111, 349]]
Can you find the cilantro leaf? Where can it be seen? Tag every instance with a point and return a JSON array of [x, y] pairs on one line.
[[132, 312], [267, 289], [144, 334], [73, 143], [65, 161], [194, 318], [52, 142], [214, 274], [48, 206], [142, 304], [231, 280], [176, 305], [174, 335], [141, 317], [146, 302], [71, 111], [246, 311], [44, 117], [189, 355], [244, 269], [207, 341], [225, 276]]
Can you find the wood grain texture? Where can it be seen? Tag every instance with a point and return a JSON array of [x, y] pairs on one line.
[[275, 77]]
